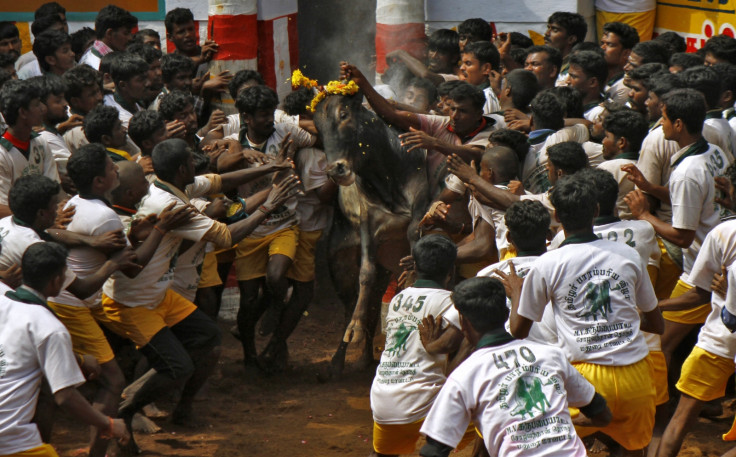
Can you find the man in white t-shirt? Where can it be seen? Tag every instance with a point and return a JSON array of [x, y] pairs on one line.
[[617, 40], [587, 74], [412, 367], [35, 345], [179, 340], [113, 26], [692, 193], [478, 61], [598, 289], [527, 223], [130, 75], [516, 392]]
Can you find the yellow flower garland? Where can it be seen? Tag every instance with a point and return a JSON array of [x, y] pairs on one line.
[[333, 88], [299, 80]]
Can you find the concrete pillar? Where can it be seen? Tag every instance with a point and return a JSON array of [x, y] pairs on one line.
[[399, 25]]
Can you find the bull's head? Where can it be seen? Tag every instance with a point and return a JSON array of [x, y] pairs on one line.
[[338, 119]]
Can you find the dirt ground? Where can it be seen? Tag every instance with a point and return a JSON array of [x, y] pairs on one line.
[[292, 414]]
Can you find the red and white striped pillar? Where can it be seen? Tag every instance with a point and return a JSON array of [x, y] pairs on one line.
[[233, 25], [399, 25], [278, 43]]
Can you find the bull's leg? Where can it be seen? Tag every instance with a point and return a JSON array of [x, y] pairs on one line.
[[250, 310], [382, 279]]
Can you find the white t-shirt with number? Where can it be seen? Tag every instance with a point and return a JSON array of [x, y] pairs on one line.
[[517, 395], [408, 378], [33, 344], [595, 289], [719, 248], [91, 217], [13, 164], [692, 193], [544, 331], [149, 287]]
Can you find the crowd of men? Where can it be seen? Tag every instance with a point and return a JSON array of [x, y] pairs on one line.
[[580, 231]]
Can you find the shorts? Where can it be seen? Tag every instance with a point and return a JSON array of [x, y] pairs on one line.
[[87, 336], [704, 375], [44, 450], [659, 377], [209, 277], [302, 269], [139, 324], [630, 395], [695, 315], [668, 275], [252, 254], [402, 438], [642, 21]]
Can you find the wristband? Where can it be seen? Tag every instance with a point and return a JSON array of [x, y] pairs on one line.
[[159, 230], [264, 209]]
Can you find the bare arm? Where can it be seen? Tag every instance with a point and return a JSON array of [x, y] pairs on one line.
[[652, 321], [5, 211], [480, 247], [71, 401], [639, 206], [689, 300], [519, 325], [401, 119], [437, 340], [416, 67], [498, 198]]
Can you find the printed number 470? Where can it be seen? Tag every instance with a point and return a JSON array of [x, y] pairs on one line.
[[524, 351]]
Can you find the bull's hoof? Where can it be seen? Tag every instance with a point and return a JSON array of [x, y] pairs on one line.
[[274, 359], [132, 447]]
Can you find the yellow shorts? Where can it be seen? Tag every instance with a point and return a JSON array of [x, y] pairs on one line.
[[252, 254], [302, 269], [402, 438], [643, 22], [667, 276], [704, 375], [140, 324], [630, 395], [695, 315], [44, 450], [87, 336], [659, 377], [209, 277]]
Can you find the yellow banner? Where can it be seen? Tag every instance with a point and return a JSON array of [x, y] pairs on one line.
[[697, 20]]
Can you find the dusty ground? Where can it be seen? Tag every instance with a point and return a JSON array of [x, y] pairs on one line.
[[291, 414]]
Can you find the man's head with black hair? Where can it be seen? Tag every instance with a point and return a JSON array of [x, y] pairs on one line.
[[681, 61], [33, 199], [102, 125], [572, 99], [727, 73], [565, 158], [478, 60], [720, 48], [130, 75], [481, 303], [474, 30], [179, 106], [660, 84], [547, 111], [10, 42], [520, 41], [7, 64], [52, 90], [296, 103], [47, 9], [565, 30], [528, 222], [443, 51], [434, 258], [173, 161], [545, 62], [82, 39], [114, 26], [148, 37], [674, 41], [519, 87], [588, 73], [53, 49], [420, 93], [443, 90], [625, 131], [499, 164], [91, 170], [147, 128], [44, 267], [683, 110], [52, 22], [182, 31], [617, 41], [152, 57], [242, 80], [20, 103], [4, 77], [256, 106], [83, 91], [638, 83], [730, 174], [576, 203], [588, 46], [466, 108], [647, 52], [512, 139], [706, 81], [177, 71], [106, 65], [605, 186]]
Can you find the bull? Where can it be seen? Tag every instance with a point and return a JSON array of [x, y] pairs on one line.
[[384, 192]]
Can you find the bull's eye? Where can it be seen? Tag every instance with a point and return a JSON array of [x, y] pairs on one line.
[[344, 115]]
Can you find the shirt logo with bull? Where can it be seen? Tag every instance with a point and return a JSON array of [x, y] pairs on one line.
[[595, 288]]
